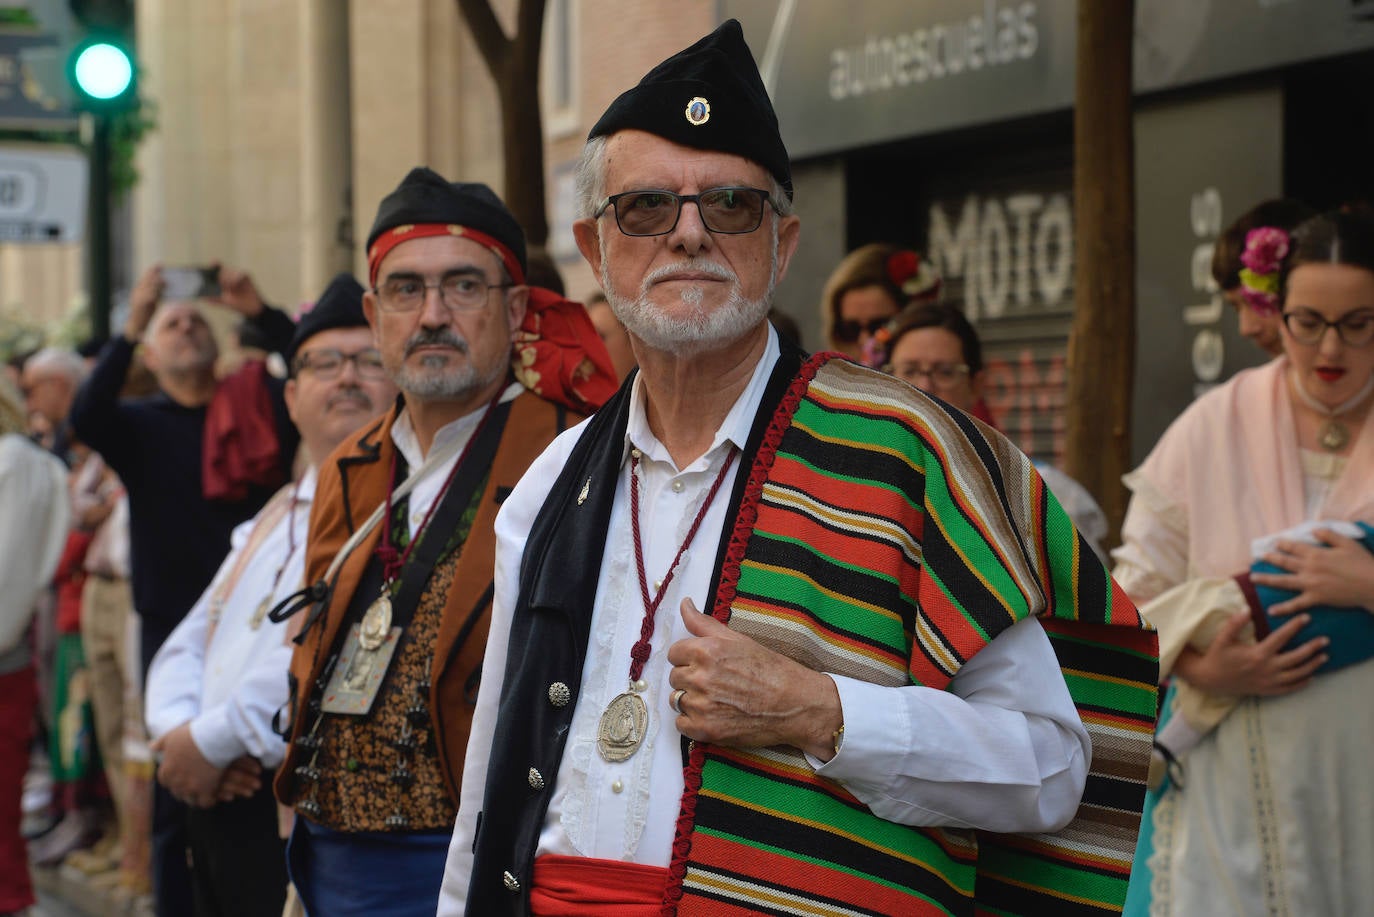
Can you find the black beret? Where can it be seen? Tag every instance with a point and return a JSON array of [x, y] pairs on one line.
[[339, 306], [710, 97], [424, 196]]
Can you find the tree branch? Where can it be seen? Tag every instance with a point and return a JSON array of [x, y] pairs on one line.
[[486, 31], [529, 36]]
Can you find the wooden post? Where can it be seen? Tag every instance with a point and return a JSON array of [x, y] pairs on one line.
[[1101, 360]]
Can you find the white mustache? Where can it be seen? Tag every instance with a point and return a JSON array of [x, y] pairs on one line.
[[693, 265]]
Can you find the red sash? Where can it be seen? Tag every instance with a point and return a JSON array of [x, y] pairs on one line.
[[567, 886]]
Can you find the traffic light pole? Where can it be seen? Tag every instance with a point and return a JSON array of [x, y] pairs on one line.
[[98, 234]]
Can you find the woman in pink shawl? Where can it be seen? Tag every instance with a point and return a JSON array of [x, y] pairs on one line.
[[1273, 816]]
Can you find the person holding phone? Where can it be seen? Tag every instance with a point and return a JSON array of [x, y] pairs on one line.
[[161, 448], [219, 678]]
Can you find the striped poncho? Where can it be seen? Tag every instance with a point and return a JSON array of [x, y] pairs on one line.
[[878, 534], [888, 539]]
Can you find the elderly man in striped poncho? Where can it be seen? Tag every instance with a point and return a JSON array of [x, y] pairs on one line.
[[777, 634]]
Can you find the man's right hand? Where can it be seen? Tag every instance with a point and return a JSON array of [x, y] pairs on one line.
[[143, 300]]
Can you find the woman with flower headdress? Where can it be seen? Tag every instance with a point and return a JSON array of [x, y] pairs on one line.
[[1243, 545], [867, 288], [1257, 310]]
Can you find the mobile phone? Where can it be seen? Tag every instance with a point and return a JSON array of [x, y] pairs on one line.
[[190, 282]]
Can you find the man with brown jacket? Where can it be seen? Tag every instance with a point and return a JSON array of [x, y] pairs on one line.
[[401, 545]]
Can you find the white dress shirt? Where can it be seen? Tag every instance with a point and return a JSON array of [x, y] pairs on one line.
[[227, 677], [457, 433], [1002, 748], [33, 494], [231, 689]]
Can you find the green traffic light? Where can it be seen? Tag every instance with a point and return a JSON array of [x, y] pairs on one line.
[[103, 71]]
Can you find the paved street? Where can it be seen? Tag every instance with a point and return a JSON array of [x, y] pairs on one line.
[[52, 906], [65, 892]]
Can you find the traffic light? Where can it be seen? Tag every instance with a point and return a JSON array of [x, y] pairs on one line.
[[102, 72], [101, 68]]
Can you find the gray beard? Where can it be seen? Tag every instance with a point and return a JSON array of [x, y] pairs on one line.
[[437, 380], [699, 330]]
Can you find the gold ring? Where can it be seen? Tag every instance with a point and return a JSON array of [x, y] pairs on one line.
[[675, 701]]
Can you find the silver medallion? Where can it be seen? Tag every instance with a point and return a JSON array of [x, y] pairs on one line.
[[622, 727], [376, 623], [358, 674]]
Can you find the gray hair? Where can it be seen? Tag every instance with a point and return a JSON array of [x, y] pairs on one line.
[[589, 182], [60, 361]]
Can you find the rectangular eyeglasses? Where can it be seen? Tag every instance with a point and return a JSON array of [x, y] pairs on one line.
[[730, 211]]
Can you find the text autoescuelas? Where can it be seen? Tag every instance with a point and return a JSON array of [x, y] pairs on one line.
[[1001, 34]]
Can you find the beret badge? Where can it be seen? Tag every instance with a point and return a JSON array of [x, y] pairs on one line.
[[698, 111]]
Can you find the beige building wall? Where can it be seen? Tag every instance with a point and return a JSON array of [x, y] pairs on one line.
[[41, 285], [615, 44], [282, 123]]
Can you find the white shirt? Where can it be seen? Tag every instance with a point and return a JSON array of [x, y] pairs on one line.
[[33, 494], [231, 689], [457, 432], [226, 677], [1002, 749]]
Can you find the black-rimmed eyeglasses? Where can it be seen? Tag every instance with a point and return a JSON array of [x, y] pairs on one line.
[[327, 364], [730, 211], [1355, 329], [462, 292]]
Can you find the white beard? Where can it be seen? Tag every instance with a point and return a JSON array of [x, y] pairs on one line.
[[698, 330]]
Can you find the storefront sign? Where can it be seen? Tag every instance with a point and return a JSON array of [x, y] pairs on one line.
[[850, 75]]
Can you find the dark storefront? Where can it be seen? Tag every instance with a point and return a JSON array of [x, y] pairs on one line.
[[947, 125]]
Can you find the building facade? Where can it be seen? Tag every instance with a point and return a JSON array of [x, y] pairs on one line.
[[945, 125]]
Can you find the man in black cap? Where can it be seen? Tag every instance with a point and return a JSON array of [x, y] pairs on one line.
[[870, 677], [219, 678], [401, 543]]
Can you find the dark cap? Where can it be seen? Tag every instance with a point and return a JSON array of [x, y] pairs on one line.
[[339, 306], [425, 197], [709, 97]]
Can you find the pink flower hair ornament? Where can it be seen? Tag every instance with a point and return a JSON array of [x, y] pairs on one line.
[[1265, 249]]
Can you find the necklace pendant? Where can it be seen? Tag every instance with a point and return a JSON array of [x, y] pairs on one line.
[[260, 613], [1334, 436], [376, 622], [623, 725]]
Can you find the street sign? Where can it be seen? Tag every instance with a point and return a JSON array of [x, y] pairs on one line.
[[32, 83], [42, 194], [36, 37]]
